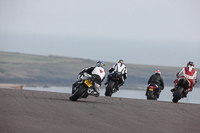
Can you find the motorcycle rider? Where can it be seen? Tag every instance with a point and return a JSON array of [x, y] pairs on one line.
[[190, 74], [158, 80], [98, 70], [118, 67]]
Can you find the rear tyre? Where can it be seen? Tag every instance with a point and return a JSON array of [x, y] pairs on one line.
[[78, 93], [151, 96], [109, 88], [177, 94]]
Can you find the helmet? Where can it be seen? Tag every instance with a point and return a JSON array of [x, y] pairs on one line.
[[158, 71], [190, 63], [100, 64], [121, 61]]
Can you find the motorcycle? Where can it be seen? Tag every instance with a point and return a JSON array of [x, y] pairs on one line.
[[152, 92], [84, 88], [114, 80], [180, 92]]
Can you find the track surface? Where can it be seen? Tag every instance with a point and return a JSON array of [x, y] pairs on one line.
[[23, 111]]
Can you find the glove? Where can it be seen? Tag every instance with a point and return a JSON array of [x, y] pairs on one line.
[[111, 70], [82, 72]]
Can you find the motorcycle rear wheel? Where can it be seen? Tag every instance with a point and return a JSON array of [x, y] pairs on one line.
[[177, 94], [151, 96], [79, 93], [109, 88]]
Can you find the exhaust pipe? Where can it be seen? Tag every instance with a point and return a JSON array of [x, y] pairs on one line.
[[90, 91]]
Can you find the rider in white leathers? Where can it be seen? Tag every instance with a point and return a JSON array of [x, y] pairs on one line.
[[118, 67], [97, 70]]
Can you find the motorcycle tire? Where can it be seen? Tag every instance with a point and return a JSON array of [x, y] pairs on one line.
[[177, 94], [151, 96], [109, 88], [78, 93]]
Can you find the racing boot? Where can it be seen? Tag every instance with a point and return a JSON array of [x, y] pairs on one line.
[[158, 93], [146, 91], [106, 83], [185, 93], [174, 89], [96, 94], [117, 87]]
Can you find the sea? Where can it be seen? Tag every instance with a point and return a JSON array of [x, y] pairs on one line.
[[165, 95]]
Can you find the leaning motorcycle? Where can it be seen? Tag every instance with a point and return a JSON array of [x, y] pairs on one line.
[[84, 88], [114, 80], [180, 92], [152, 92]]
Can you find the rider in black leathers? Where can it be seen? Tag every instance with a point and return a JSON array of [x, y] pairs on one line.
[[158, 80]]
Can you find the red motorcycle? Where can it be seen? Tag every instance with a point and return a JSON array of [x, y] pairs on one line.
[[180, 92]]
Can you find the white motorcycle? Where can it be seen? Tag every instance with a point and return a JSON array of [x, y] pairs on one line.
[[85, 88]]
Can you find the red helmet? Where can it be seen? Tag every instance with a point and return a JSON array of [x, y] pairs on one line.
[[158, 71], [190, 63]]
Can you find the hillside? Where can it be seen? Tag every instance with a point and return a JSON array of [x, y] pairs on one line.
[[34, 70]]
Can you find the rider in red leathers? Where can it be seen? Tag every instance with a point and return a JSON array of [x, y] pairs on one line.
[[189, 73]]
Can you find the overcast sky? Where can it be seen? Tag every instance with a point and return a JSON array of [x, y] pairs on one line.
[[153, 32]]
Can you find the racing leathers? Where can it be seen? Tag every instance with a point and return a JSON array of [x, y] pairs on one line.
[[190, 74], [98, 71], [158, 80]]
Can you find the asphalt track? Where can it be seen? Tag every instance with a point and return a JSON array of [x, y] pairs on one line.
[[25, 111]]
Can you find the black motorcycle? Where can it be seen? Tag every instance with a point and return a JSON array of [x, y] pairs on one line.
[[114, 80], [152, 92], [180, 92], [84, 88]]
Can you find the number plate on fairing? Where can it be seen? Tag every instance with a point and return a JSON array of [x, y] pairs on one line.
[[88, 83]]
